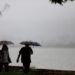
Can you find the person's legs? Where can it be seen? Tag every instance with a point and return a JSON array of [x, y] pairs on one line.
[[26, 67], [1, 66], [6, 67], [23, 67]]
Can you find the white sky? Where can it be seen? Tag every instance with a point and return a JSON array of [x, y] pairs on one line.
[[38, 20]]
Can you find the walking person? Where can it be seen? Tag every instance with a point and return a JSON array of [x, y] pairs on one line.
[[25, 54], [5, 58], [1, 60]]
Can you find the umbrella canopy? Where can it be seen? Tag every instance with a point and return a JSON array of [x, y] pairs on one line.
[[30, 43], [5, 42]]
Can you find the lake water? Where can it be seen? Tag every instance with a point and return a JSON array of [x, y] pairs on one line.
[[48, 58]]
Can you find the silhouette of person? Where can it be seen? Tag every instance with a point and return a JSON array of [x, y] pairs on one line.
[[1, 60], [25, 53], [5, 59]]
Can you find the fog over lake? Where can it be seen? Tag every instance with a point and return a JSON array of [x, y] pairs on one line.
[[39, 21]]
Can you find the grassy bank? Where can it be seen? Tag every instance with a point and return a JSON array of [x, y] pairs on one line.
[[15, 73], [15, 70]]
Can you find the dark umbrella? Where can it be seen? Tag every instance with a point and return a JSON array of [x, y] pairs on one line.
[[5, 42], [30, 43]]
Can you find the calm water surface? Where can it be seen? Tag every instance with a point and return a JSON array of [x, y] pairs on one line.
[[48, 58]]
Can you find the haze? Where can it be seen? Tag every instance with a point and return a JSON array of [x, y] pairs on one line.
[[36, 20]]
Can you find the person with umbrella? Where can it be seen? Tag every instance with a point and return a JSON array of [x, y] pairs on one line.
[[25, 54], [4, 55], [5, 58]]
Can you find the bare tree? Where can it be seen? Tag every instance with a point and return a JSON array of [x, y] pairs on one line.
[[6, 6]]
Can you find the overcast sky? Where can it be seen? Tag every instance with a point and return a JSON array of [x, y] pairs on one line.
[[37, 20]]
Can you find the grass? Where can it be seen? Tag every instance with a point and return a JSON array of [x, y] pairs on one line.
[[15, 70], [15, 73]]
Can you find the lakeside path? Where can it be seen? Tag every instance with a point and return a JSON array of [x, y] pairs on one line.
[[15, 70]]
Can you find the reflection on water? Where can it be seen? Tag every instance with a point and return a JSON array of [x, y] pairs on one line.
[[49, 58]]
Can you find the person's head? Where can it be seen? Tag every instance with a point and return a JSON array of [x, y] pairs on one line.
[[4, 47]]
